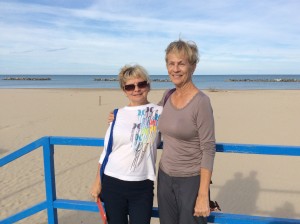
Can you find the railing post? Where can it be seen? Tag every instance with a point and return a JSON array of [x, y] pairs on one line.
[[49, 173]]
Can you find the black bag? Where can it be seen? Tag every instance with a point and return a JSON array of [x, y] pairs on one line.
[[214, 206]]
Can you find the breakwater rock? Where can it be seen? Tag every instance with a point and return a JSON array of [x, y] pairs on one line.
[[106, 79], [161, 80], [115, 79], [263, 80], [27, 78]]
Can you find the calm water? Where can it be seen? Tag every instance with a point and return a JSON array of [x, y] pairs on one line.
[[201, 81]]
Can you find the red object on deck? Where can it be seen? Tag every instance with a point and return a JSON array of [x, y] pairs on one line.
[[102, 211]]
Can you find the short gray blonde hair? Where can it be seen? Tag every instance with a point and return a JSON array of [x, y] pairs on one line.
[[188, 48], [132, 72]]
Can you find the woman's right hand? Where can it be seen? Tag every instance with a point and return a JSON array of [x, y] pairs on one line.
[[96, 190], [111, 117]]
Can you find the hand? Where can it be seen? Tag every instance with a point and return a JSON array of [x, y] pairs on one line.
[[95, 190], [202, 206], [111, 117]]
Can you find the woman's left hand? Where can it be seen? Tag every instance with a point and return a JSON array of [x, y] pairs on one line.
[[202, 206]]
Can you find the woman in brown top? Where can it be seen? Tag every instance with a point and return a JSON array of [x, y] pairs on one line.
[[187, 126]]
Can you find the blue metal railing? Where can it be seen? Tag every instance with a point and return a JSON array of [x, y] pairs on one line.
[[51, 204]]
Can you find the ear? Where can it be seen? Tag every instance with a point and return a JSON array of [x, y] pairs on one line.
[[193, 68]]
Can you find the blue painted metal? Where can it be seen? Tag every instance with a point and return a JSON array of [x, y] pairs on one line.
[[218, 217], [25, 213], [76, 141], [22, 151], [155, 213], [76, 205], [52, 204], [88, 206], [259, 149], [50, 181]]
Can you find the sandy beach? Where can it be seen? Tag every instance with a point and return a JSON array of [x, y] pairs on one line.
[[244, 184]]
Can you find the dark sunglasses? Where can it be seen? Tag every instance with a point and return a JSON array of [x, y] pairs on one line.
[[141, 85]]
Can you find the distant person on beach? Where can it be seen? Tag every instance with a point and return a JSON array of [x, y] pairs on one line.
[[128, 180], [187, 127]]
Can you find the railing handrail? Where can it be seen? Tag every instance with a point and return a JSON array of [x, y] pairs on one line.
[[282, 150], [52, 204]]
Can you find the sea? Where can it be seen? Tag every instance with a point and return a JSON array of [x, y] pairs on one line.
[[205, 82]]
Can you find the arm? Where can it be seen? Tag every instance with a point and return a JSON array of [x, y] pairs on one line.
[[96, 186], [208, 146], [202, 202], [111, 117]]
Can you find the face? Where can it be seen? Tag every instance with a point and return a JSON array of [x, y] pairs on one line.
[[138, 95], [179, 69]]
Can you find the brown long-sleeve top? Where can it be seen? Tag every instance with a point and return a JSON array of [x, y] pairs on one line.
[[189, 137]]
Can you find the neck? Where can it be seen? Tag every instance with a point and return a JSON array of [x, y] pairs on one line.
[[134, 104], [185, 89]]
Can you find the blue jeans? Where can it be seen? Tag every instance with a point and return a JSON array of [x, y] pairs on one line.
[[127, 198]]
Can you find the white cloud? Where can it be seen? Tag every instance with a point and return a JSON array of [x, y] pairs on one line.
[[101, 36]]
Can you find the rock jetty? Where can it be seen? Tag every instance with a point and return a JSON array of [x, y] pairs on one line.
[[27, 78], [115, 79], [106, 79], [161, 80], [263, 80]]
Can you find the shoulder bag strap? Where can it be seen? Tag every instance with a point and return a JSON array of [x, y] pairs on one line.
[[168, 95], [109, 145]]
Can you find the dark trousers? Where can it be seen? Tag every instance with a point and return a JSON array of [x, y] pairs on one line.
[[127, 198], [176, 199]]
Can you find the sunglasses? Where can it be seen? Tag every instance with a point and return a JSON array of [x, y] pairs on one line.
[[141, 85]]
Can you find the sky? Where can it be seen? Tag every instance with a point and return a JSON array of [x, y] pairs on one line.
[[98, 37]]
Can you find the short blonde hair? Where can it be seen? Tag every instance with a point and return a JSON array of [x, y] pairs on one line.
[[188, 48], [132, 72]]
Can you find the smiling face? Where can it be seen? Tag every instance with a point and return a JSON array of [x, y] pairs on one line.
[[137, 96], [179, 69]]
